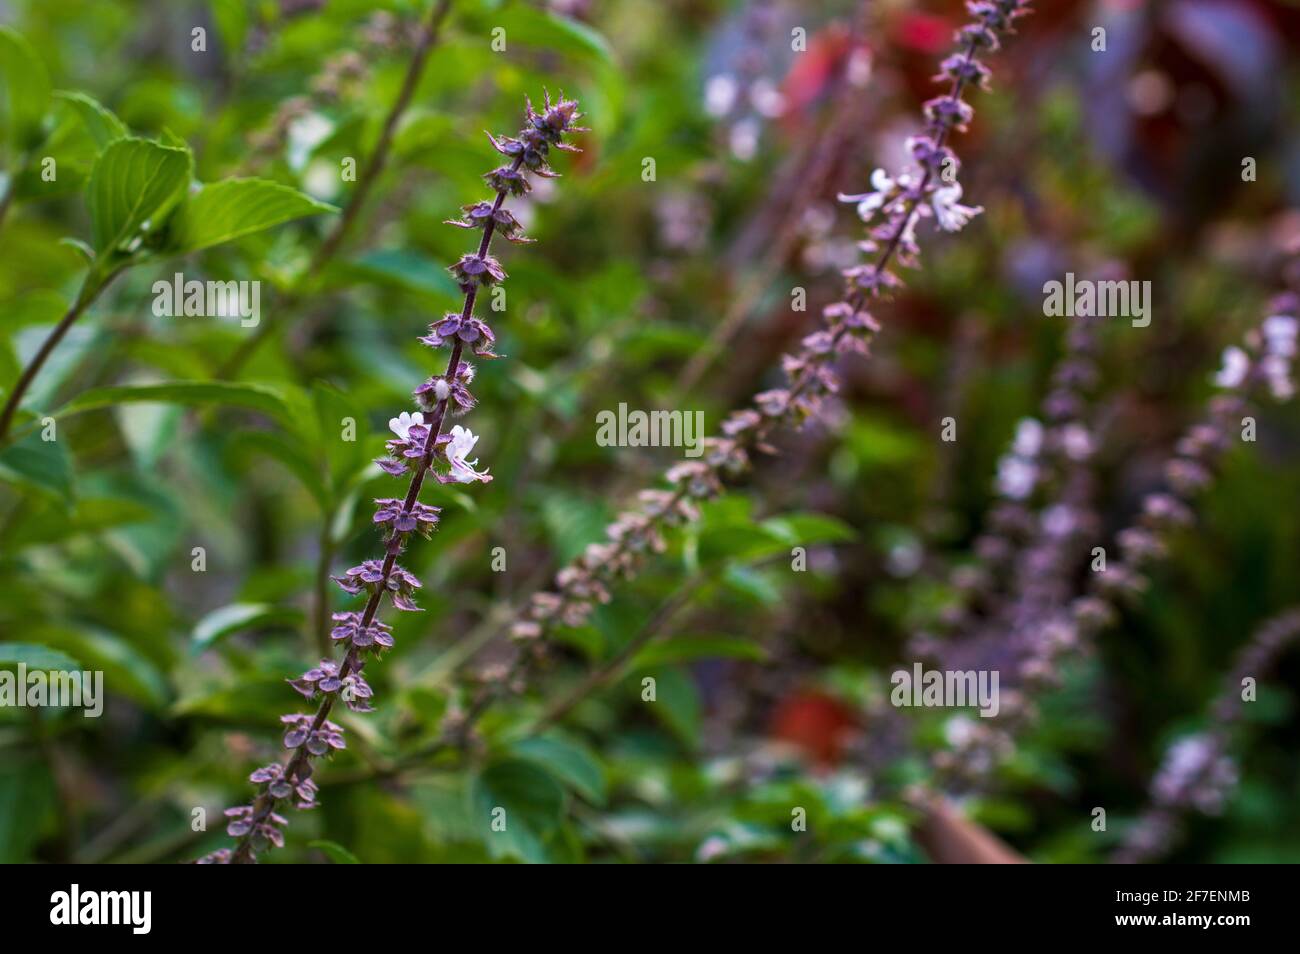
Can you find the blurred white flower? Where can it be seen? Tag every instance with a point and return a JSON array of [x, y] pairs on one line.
[[720, 95], [1058, 520], [959, 731], [870, 202], [766, 98], [1277, 370], [1280, 335], [1076, 442], [1236, 364], [948, 211], [1016, 477], [1029, 438], [744, 139]]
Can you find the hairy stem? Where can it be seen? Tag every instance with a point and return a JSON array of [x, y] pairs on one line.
[[265, 803]]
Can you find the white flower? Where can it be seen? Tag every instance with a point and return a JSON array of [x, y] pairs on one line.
[[720, 95], [1016, 477], [1236, 364], [1076, 442], [948, 212], [767, 99], [1029, 438], [959, 731], [462, 470], [304, 134], [1277, 370], [1058, 520], [1280, 334], [744, 138], [401, 425], [870, 202]]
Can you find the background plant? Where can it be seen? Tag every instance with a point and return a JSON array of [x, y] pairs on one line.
[[767, 678]]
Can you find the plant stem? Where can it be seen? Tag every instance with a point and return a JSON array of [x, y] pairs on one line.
[[755, 437], [264, 804], [321, 600], [90, 290], [614, 665], [6, 200]]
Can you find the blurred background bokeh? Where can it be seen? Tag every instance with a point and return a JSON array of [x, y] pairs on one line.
[[1127, 161]]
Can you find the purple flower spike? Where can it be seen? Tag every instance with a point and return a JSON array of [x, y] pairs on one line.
[[418, 441]]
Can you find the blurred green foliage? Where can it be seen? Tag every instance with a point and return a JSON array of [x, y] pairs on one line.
[[157, 455]]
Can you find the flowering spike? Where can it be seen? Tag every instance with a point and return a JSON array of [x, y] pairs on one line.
[[420, 444]]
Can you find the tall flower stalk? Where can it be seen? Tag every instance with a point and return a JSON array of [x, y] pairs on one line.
[[1198, 772], [1049, 632], [420, 447], [891, 213]]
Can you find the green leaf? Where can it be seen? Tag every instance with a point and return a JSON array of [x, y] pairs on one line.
[[134, 182], [36, 657], [104, 127], [573, 764], [26, 805], [332, 407], [27, 86], [232, 18], [805, 529], [127, 672], [240, 616], [78, 246], [149, 431], [399, 268], [558, 34], [335, 852], [223, 211], [677, 702], [91, 516], [533, 802], [739, 541], [689, 648], [254, 397], [43, 465]]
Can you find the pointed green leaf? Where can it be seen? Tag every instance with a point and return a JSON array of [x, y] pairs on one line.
[[239, 616], [223, 211], [805, 529], [573, 764], [27, 89], [38, 463], [104, 127], [689, 648], [36, 657], [127, 671], [254, 397], [134, 182], [525, 801]]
